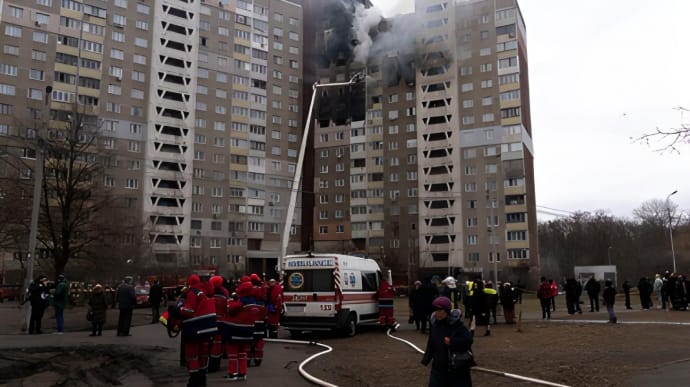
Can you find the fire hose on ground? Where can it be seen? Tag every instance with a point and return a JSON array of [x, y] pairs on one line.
[[302, 372], [487, 370], [328, 349]]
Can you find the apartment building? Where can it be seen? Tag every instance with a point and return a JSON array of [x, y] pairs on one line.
[[439, 173], [198, 105], [426, 165]]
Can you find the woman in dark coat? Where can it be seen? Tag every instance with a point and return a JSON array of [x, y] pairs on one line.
[[447, 334], [508, 299], [98, 307], [418, 307]]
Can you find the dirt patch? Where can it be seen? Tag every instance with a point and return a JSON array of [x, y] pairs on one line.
[[566, 353], [104, 365]]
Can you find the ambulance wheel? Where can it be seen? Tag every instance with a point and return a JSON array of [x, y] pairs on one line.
[[350, 328], [295, 334]]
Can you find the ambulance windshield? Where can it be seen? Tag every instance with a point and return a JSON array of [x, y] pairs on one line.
[[309, 281]]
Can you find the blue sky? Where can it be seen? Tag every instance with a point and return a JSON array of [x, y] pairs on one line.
[[602, 72]]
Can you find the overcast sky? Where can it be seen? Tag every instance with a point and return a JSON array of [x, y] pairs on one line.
[[600, 73]]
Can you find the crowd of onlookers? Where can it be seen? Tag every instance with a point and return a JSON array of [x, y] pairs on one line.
[[670, 289], [479, 300]]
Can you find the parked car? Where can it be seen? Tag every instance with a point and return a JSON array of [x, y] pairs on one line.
[[142, 294], [10, 292]]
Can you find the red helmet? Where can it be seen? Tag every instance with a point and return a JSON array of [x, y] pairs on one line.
[[245, 289], [256, 280], [216, 281], [193, 280]]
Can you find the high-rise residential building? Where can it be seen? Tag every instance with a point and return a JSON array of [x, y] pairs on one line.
[[426, 164], [198, 103], [436, 176]]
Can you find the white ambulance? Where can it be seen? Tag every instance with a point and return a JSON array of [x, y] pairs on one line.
[[329, 292]]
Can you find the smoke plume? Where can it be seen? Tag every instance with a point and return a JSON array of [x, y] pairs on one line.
[[365, 20]]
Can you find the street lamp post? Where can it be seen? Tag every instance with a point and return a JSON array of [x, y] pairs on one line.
[[491, 228], [670, 228], [609, 251]]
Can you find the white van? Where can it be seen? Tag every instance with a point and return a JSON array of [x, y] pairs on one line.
[[329, 292]]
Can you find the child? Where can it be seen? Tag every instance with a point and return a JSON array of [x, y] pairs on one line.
[[609, 300]]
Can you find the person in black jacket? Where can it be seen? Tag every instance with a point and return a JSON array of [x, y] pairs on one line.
[[626, 291], [38, 297], [126, 300], [593, 288], [448, 334], [98, 306], [155, 298], [573, 289]]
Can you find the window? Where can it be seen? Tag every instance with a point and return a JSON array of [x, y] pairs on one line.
[[134, 146], [7, 69], [40, 37], [508, 62], [132, 183], [12, 30], [118, 36], [36, 94], [519, 235], [7, 89]]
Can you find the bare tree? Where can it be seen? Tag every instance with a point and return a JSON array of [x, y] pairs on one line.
[[80, 218], [15, 208], [667, 140], [656, 212]]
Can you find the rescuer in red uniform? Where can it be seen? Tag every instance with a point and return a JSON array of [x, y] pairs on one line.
[[220, 297], [198, 326], [238, 331], [386, 294], [274, 307], [256, 350]]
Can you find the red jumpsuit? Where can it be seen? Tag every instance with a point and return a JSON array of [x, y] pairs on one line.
[[220, 297], [274, 307], [386, 294], [238, 333], [256, 351], [198, 325]]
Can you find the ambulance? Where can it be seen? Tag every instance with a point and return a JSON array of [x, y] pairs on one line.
[[331, 292]]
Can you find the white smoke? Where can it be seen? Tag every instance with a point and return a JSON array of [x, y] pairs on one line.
[[365, 19]]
